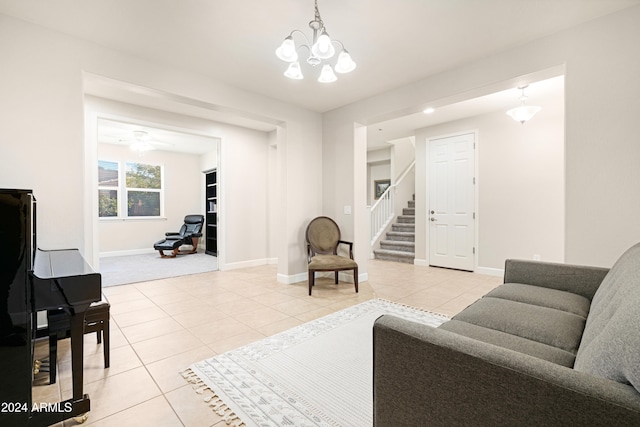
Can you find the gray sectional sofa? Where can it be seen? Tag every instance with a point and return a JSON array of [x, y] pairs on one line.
[[556, 344]]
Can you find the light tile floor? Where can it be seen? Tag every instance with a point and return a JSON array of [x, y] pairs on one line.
[[159, 328]]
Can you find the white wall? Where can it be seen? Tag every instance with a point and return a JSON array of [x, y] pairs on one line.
[[42, 135], [602, 94], [182, 196], [519, 187]]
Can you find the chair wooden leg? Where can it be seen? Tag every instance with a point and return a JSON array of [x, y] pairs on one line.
[[355, 278], [336, 277], [311, 280]]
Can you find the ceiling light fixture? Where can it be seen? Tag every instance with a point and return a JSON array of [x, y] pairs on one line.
[[320, 49], [523, 113], [142, 137]]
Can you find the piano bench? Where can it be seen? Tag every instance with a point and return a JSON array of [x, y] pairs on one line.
[[96, 320]]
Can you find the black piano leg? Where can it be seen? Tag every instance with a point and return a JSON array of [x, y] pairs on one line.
[[77, 353]]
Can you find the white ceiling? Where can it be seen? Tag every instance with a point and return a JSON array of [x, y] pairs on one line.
[[123, 133], [394, 42]]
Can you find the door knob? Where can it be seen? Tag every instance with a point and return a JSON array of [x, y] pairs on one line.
[[433, 219]]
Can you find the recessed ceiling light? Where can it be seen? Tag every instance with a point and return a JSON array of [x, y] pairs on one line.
[[429, 110]]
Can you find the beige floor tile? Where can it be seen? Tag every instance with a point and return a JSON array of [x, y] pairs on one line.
[[156, 412], [172, 298], [151, 329], [261, 317], [200, 315], [224, 345], [191, 408], [296, 306], [131, 295], [219, 330], [121, 360], [166, 372], [158, 348], [240, 306], [131, 306], [138, 316], [280, 326], [119, 392]]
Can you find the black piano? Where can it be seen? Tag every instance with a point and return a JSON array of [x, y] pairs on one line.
[[31, 281]]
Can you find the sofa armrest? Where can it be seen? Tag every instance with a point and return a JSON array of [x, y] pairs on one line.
[[577, 279], [428, 376]]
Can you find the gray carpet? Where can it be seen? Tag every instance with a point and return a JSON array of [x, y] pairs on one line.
[[122, 270]]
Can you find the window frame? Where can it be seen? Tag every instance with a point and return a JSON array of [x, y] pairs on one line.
[[122, 191]]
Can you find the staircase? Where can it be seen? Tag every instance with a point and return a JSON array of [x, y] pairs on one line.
[[399, 244]]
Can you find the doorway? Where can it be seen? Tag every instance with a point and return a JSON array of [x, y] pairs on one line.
[[451, 219]]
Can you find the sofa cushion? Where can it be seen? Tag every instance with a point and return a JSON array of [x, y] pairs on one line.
[[512, 342], [542, 324], [543, 297], [610, 347]]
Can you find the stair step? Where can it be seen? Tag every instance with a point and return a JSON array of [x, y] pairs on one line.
[[409, 211], [403, 236], [403, 227], [398, 245], [397, 256], [406, 219], [412, 203]]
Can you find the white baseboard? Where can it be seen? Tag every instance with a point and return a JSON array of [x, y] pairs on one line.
[[293, 278], [127, 252], [247, 264], [480, 270], [498, 272]]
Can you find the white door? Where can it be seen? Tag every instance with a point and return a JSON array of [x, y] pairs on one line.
[[451, 202]]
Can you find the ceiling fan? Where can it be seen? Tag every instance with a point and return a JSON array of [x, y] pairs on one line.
[[138, 140]]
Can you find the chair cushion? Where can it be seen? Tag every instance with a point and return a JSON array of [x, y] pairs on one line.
[[543, 297], [513, 342], [331, 262], [167, 244], [545, 325]]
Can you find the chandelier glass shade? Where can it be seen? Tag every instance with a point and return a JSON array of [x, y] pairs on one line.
[[523, 112], [321, 48]]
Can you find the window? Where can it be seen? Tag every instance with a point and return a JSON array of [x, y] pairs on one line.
[[144, 183], [138, 195], [107, 189]]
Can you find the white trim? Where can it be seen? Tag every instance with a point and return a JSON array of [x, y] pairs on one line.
[[498, 272], [289, 279], [127, 252], [247, 264], [421, 262]]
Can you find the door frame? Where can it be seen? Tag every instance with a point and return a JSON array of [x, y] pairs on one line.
[[476, 156]]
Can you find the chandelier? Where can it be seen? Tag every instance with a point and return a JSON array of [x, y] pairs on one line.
[[320, 49], [523, 113]]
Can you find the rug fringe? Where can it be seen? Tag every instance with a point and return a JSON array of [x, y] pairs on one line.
[[215, 402]]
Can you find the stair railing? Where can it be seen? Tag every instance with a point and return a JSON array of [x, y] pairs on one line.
[[382, 211]]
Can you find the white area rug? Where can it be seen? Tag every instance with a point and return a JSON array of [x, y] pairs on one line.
[[122, 270], [316, 374]]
